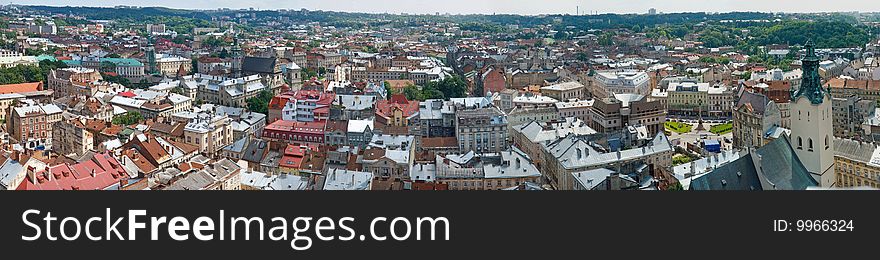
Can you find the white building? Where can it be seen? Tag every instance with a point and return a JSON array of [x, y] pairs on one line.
[[621, 82]]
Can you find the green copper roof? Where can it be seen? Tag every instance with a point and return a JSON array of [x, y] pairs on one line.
[[123, 62], [48, 57], [72, 63], [811, 84]]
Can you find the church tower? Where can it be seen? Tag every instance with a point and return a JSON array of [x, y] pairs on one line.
[[151, 56], [237, 58], [812, 135]]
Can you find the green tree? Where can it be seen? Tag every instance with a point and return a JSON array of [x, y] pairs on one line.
[[260, 103], [431, 92], [451, 87], [117, 79], [129, 118], [388, 90], [413, 92]]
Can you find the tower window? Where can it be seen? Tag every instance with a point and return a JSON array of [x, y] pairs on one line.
[[810, 144], [800, 143], [826, 142]]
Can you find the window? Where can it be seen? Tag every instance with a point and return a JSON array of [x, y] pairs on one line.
[[800, 143], [826, 142], [810, 144]]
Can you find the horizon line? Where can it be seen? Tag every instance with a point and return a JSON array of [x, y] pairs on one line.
[[437, 13]]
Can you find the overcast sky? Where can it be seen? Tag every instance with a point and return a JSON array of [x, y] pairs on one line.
[[528, 7]]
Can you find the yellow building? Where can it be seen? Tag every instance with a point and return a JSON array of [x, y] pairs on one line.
[[856, 163], [209, 133]]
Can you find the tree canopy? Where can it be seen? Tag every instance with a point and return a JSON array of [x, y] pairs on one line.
[[29, 73], [129, 118], [260, 103]]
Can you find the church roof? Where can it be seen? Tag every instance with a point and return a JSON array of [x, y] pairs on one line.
[[772, 167], [811, 85]]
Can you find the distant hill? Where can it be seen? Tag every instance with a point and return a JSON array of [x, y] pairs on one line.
[[581, 22]]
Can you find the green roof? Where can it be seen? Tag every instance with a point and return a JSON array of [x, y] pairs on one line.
[[124, 62], [811, 82], [72, 63], [48, 57]]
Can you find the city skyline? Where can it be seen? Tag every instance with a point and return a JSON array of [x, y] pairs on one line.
[[500, 6]]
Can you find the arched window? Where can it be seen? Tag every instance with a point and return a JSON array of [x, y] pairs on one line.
[[800, 143], [826, 142], [810, 144]]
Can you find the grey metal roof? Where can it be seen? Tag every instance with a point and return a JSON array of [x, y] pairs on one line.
[[238, 146], [757, 101], [772, 167], [288, 182], [737, 175], [592, 178], [258, 65], [854, 150], [8, 172], [255, 150]]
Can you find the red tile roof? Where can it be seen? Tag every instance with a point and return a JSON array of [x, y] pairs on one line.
[[21, 88], [385, 108], [107, 172], [295, 126], [440, 142], [127, 94]]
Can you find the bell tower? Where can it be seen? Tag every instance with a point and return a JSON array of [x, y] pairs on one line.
[[812, 135]]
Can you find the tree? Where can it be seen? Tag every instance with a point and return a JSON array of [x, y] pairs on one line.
[[129, 118], [388, 90], [636, 28], [583, 57], [451, 87], [29, 73], [675, 187], [430, 92], [306, 73], [116, 79], [260, 103], [606, 39], [107, 66], [413, 92]]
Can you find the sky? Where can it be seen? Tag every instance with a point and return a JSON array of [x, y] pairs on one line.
[[526, 7]]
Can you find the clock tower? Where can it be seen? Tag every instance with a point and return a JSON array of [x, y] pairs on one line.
[[812, 135]]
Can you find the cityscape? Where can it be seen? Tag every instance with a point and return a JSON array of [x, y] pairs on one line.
[[156, 98]]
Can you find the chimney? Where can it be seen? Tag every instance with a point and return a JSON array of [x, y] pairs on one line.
[[31, 173], [693, 165]]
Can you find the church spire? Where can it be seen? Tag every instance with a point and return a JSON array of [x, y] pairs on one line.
[[811, 83], [151, 55]]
